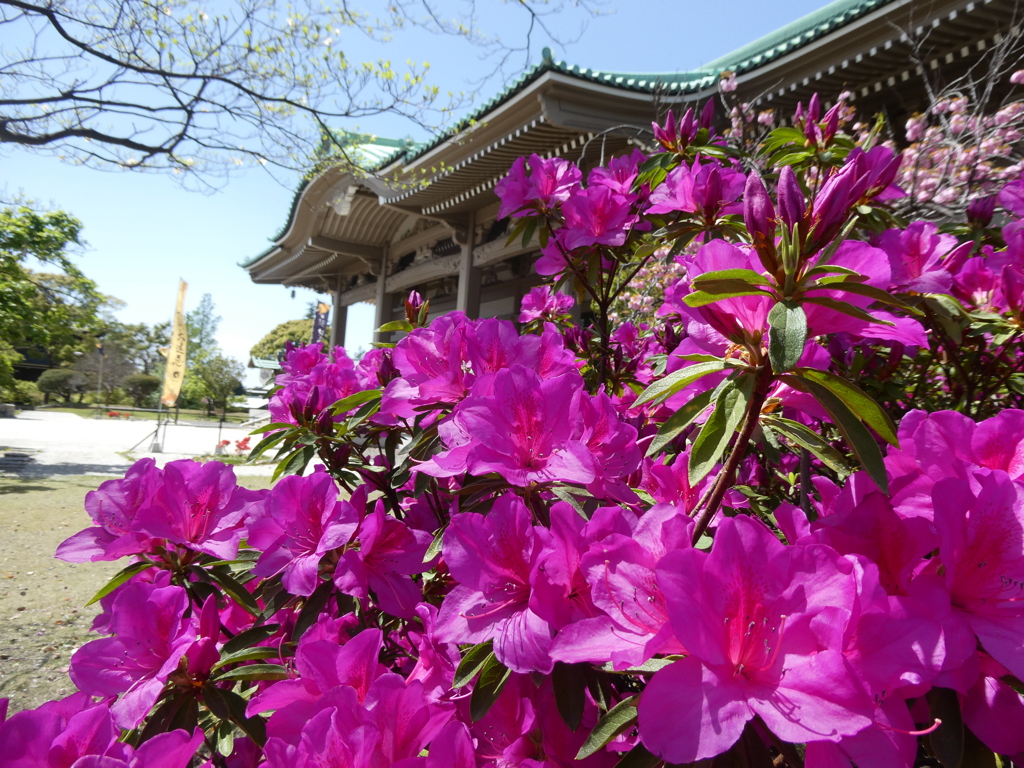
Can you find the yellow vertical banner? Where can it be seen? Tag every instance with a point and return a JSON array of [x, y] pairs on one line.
[[175, 370]]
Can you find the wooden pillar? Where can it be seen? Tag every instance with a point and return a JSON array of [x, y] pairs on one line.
[[339, 321], [468, 299], [383, 301]]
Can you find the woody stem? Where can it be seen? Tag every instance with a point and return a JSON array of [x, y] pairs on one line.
[[727, 476]]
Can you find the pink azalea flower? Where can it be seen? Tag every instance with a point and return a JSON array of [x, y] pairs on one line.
[[916, 257], [512, 190], [200, 507], [151, 635], [389, 553], [542, 302], [430, 366], [981, 559], [756, 617], [596, 216], [620, 569], [323, 664], [114, 507], [619, 174], [524, 728], [993, 710], [523, 431], [552, 181], [74, 732], [299, 521], [491, 557]]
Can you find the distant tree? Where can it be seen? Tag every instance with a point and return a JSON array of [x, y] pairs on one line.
[[63, 382], [140, 386], [104, 368], [140, 343], [52, 309], [272, 345], [202, 323], [221, 376]]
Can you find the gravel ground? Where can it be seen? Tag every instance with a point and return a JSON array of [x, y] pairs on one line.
[[67, 444], [43, 617]]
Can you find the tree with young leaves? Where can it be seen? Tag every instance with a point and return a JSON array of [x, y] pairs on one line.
[[272, 345], [221, 376], [196, 88], [52, 309]]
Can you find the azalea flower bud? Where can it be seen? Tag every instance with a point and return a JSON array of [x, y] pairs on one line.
[[791, 198], [687, 127], [813, 109], [707, 115], [831, 122], [980, 210], [759, 215]]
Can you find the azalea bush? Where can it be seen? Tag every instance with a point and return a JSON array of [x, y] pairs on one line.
[[780, 522]]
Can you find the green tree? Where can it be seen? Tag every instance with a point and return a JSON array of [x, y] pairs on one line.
[[54, 309], [140, 343], [202, 323], [63, 382], [140, 386], [272, 345], [220, 376], [104, 368]]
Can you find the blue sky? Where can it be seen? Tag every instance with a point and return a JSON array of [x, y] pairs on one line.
[[144, 231]]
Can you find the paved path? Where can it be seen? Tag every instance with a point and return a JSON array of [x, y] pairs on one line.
[[67, 444]]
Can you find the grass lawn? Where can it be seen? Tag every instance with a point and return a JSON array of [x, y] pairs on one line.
[[184, 415], [43, 618]]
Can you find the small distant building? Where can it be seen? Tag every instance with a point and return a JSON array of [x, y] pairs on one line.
[[433, 225]]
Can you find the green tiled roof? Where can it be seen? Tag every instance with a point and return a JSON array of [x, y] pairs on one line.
[[379, 153], [795, 35]]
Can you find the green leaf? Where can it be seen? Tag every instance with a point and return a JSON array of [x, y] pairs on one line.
[[355, 400], [614, 722], [229, 706], [236, 591], [787, 334], [488, 687], [680, 420], [472, 662], [312, 608], [295, 462], [703, 298], [517, 229], [807, 438], [247, 654], [638, 757], [564, 495], [831, 269], [846, 308], [528, 230], [668, 386], [263, 445], [256, 672], [947, 741], [857, 400], [570, 692], [395, 325], [435, 545], [714, 436], [863, 289], [853, 431], [249, 638], [274, 425], [120, 578], [747, 276]]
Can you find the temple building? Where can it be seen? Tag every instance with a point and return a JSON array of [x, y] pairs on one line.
[[432, 225]]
